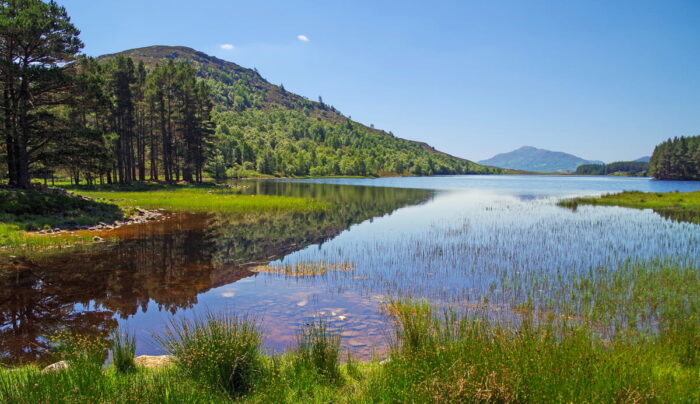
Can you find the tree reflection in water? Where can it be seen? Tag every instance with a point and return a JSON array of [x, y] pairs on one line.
[[169, 262]]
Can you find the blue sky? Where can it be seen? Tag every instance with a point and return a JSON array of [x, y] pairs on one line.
[[605, 80]]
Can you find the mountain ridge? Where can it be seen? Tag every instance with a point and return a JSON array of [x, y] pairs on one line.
[[529, 158]]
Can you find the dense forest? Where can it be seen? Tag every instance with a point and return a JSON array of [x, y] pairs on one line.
[[172, 114], [625, 168], [263, 128], [676, 159]]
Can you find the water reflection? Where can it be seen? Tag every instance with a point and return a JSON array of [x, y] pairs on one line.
[[163, 266], [476, 237]]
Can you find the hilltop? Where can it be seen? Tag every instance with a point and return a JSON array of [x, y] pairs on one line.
[[530, 158], [263, 128]]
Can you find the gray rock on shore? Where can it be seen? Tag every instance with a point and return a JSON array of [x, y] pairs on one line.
[[55, 367]]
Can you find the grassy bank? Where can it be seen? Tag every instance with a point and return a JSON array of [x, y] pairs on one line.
[[606, 336], [674, 205], [22, 212], [30, 210], [208, 198]]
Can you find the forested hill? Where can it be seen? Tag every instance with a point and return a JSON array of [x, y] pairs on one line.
[[264, 128]]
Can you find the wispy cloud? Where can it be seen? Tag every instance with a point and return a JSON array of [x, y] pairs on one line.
[[226, 46], [303, 38]]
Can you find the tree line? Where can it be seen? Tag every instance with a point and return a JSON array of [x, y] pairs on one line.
[[628, 168], [114, 122], [676, 159], [117, 120]]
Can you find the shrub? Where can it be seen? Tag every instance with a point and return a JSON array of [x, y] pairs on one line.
[[216, 349]]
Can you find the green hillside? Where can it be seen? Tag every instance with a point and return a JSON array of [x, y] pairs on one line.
[[261, 127]]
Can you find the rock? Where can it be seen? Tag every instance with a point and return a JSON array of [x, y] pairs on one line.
[[54, 367], [97, 239], [385, 361], [150, 361]]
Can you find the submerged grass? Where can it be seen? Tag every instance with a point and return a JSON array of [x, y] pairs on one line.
[[675, 205]]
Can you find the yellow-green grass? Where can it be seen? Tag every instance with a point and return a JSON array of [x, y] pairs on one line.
[[22, 212], [206, 199], [675, 205], [13, 237]]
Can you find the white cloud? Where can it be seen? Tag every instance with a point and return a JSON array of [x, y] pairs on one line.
[[303, 38], [226, 46]]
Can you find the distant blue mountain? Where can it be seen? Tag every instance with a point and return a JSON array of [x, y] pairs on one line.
[[644, 159], [530, 158]]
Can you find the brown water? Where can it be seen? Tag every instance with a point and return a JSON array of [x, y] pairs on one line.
[[457, 239]]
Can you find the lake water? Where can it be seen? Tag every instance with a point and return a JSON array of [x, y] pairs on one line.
[[453, 240]]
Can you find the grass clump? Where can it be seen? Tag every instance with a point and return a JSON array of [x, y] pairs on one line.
[[682, 206], [123, 351], [318, 348], [223, 352]]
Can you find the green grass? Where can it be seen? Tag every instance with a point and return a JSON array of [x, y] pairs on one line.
[[23, 210], [223, 352], [123, 351], [207, 198], [683, 206], [627, 335]]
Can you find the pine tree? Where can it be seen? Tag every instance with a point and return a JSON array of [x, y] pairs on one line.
[[37, 39]]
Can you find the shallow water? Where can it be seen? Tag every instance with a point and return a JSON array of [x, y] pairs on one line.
[[447, 239]]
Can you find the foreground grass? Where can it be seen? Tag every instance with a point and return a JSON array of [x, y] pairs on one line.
[[628, 335], [674, 205]]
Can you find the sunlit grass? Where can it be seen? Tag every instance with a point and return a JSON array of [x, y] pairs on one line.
[[12, 236], [209, 199], [676, 205], [22, 211]]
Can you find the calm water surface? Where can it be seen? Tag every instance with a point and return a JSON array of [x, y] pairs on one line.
[[452, 240]]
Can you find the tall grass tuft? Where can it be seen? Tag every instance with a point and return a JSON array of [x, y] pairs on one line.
[[318, 348], [123, 351], [219, 350]]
